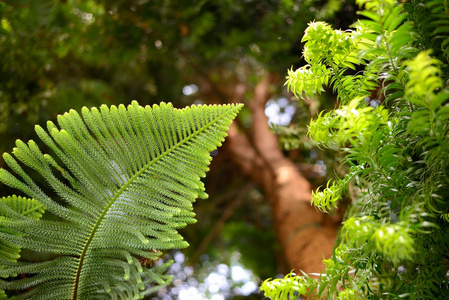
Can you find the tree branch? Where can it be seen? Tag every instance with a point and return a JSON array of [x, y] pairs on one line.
[[301, 232]]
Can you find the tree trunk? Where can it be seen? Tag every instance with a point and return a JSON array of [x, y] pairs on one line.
[[305, 235]]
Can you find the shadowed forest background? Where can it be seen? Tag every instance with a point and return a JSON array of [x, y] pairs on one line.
[[62, 55]]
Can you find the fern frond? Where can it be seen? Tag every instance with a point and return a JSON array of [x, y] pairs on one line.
[[128, 178], [13, 207]]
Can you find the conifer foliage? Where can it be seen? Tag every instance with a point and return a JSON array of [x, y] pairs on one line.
[[394, 242], [124, 180]]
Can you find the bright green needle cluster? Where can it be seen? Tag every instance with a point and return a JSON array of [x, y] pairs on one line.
[[394, 240]]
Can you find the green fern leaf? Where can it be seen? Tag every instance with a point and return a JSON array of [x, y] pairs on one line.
[[22, 206], [13, 207], [128, 177]]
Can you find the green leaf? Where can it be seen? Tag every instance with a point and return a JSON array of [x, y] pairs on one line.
[[128, 178], [289, 287], [14, 207]]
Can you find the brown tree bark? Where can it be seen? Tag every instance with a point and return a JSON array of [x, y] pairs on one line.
[[304, 234]]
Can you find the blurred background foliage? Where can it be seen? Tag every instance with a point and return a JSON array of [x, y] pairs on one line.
[[61, 55]]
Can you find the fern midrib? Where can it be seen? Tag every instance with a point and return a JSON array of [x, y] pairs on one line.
[[119, 192]]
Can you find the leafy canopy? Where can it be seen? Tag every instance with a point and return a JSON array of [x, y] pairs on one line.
[[124, 179], [394, 241]]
